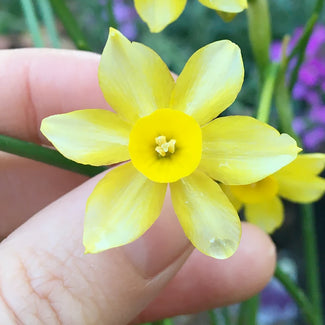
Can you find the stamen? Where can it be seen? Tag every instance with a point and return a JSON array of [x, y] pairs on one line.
[[163, 147], [161, 151], [160, 140], [171, 145]]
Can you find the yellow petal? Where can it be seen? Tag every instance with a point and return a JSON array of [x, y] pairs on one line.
[[260, 191], [226, 16], [233, 6], [298, 181], [209, 82], [159, 13], [239, 150], [123, 205], [208, 218], [310, 163], [268, 215], [133, 78], [230, 195], [91, 136]]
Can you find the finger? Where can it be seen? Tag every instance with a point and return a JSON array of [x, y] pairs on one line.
[[36, 83], [45, 275], [205, 283], [44, 272], [28, 186]]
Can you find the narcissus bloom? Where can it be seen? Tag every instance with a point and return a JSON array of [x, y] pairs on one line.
[[160, 13], [167, 132], [297, 182]]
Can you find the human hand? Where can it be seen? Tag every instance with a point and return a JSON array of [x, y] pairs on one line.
[[45, 277]]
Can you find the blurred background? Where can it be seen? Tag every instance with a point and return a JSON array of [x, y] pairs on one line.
[[87, 29]]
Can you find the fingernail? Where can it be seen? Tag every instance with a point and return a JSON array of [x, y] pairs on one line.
[[160, 246]]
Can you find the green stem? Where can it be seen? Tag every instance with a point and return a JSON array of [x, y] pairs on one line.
[[166, 321], [111, 17], [259, 28], [296, 294], [70, 24], [226, 315], [248, 311], [49, 21], [213, 317], [283, 106], [311, 254], [264, 107], [300, 48], [32, 23], [45, 155]]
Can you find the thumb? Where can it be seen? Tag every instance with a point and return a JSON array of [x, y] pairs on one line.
[[45, 275]]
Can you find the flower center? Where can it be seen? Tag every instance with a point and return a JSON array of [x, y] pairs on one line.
[[163, 147], [166, 145], [257, 192]]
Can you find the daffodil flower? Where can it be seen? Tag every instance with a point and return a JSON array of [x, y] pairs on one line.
[[297, 182], [160, 13], [166, 132]]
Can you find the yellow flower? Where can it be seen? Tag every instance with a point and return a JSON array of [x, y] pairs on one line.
[[160, 13], [168, 132], [297, 182]]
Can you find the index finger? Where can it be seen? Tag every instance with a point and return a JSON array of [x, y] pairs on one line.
[[35, 83]]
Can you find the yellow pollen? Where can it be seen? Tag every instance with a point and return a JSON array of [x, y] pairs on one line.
[[163, 147]]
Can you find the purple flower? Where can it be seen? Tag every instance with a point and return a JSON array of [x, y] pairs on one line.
[[309, 88], [314, 138], [125, 16], [317, 114], [276, 305]]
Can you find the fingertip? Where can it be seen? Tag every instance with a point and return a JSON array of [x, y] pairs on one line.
[[204, 282], [256, 257]]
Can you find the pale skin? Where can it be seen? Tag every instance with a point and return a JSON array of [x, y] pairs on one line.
[[45, 277]]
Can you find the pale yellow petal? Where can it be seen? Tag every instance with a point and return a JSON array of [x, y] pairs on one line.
[[226, 16], [310, 163], [268, 215], [123, 205], [239, 150], [208, 218], [209, 82], [298, 181], [230, 195], [233, 6], [159, 13], [302, 189], [91, 136], [133, 78]]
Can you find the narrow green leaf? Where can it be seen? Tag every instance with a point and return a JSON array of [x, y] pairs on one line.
[[213, 317], [248, 311], [297, 295], [70, 24], [111, 17], [32, 23], [49, 21], [226, 315], [46, 155]]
